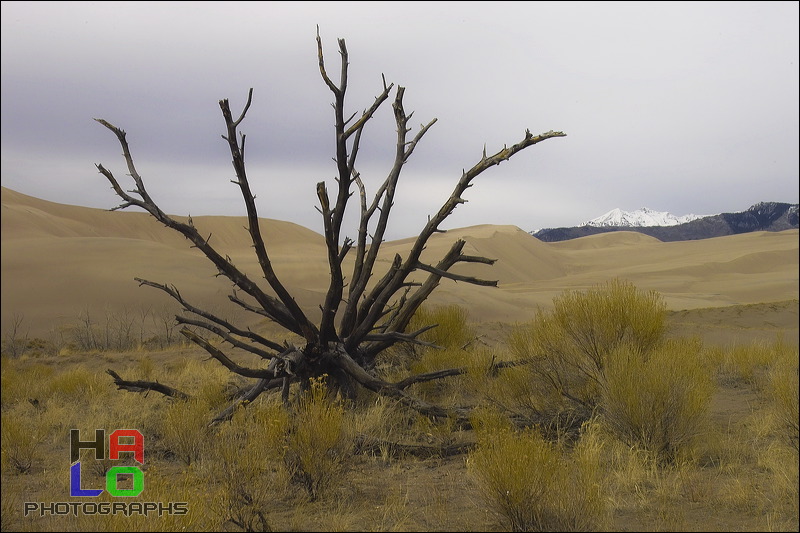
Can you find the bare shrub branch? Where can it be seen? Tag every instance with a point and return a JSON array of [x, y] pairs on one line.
[[376, 312]]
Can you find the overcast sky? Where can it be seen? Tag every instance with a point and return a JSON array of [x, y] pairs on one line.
[[686, 107]]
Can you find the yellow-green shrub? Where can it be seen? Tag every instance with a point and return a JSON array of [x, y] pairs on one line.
[[318, 442], [21, 439], [607, 315], [658, 401], [745, 361], [570, 346], [531, 483], [784, 392], [249, 464], [558, 365], [432, 360], [80, 384], [184, 431], [20, 381], [451, 339], [452, 330]]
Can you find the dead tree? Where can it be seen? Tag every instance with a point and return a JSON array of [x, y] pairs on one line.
[[361, 316]]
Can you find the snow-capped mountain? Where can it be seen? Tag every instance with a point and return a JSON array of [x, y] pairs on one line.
[[763, 216], [643, 217]]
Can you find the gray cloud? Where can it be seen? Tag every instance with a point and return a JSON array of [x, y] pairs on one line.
[[682, 107]]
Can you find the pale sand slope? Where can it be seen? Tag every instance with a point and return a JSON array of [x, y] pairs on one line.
[[59, 261]]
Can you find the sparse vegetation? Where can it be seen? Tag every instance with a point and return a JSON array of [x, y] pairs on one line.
[[783, 394], [15, 339], [654, 454], [452, 326], [121, 331], [22, 438]]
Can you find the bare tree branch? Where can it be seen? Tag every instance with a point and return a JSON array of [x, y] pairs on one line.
[[275, 307], [456, 277], [304, 325], [261, 385], [217, 354], [172, 291], [146, 386], [393, 280], [365, 262], [396, 336], [387, 389], [333, 217], [376, 312]]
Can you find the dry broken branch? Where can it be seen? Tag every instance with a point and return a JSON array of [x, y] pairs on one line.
[[146, 386]]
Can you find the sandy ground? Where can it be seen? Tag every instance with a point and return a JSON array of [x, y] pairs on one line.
[[59, 261]]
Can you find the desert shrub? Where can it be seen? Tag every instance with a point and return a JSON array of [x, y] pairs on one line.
[[13, 347], [207, 381], [481, 372], [184, 431], [24, 432], [784, 392], [452, 329], [33, 347], [560, 377], [569, 346], [528, 403], [432, 360], [145, 368], [39, 347], [659, 401], [746, 362], [122, 330], [249, 465], [318, 442], [452, 343], [9, 505], [451, 334], [80, 384], [216, 394], [779, 463], [514, 471], [383, 419], [532, 484], [19, 381], [586, 506], [15, 337], [603, 317]]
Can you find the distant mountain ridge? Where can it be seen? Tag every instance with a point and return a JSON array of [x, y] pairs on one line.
[[763, 216], [640, 218]]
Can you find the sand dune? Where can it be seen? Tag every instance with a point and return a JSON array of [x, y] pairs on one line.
[[60, 260], [26, 217]]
